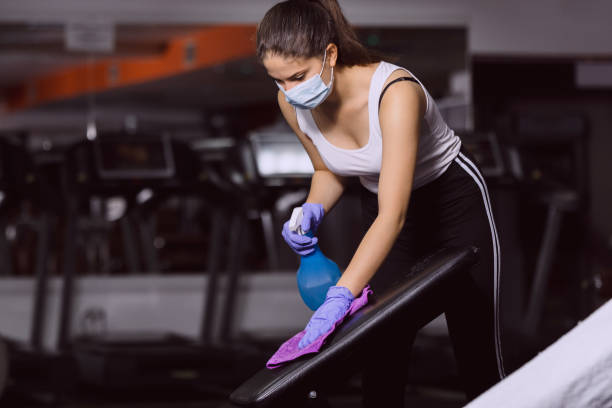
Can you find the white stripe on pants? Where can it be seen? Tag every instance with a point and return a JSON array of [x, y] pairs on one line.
[[472, 170]]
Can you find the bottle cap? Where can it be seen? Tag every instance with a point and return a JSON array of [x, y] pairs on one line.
[[295, 222]]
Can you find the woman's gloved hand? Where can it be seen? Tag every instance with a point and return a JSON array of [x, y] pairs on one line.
[[312, 215], [337, 303]]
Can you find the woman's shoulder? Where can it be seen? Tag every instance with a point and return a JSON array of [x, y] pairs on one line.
[[396, 74], [389, 72]]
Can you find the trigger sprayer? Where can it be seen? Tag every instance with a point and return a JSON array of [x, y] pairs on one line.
[[316, 273]]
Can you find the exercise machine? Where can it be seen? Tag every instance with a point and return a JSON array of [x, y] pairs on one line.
[[30, 201], [126, 165], [548, 157], [307, 380]]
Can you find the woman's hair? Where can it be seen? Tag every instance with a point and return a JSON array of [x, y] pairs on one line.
[[304, 28]]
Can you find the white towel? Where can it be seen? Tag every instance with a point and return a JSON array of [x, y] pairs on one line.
[[574, 372]]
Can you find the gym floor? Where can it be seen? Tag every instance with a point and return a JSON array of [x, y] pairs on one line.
[[415, 397], [432, 375]]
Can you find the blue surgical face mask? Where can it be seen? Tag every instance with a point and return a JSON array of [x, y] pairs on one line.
[[310, 93]]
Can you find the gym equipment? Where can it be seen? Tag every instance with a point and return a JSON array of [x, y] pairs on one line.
[[305, 381], [16, 184], [126, 165], [34, 370], [4, 366], [317, 273], [278, 173], [548, 157], [486, 150]]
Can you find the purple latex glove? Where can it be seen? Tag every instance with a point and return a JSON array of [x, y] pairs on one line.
[[290, 350], [312, 215], [337, 302]]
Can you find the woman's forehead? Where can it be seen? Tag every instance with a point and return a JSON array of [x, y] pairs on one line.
[[278, 61], [279, 66]]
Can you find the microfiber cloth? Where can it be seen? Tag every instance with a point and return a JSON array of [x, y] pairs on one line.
[[289, 350]]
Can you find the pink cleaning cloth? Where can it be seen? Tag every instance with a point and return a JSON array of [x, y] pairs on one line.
[[289, 350]]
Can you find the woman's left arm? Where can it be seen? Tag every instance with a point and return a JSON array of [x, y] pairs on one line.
[[400, 114]]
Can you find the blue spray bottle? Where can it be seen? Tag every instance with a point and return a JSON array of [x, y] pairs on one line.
[[316, 273]]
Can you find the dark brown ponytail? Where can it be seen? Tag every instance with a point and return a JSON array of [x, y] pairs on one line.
[[303, 28]]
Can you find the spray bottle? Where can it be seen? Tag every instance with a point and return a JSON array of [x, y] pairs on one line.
[[316, 273]]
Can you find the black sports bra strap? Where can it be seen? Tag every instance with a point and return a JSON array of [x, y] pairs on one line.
[[391, 83]]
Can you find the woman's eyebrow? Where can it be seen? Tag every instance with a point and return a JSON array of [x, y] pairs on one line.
[[292, 76]]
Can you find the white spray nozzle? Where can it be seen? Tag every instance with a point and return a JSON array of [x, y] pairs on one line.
[[295, 222]]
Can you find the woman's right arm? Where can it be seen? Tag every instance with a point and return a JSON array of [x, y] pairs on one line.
[[325, 187]]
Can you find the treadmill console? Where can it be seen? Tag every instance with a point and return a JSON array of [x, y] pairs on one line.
[[486, 151], [141, 158], [277, 158]]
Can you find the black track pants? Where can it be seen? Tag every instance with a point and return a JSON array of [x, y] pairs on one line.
[[453, 210]]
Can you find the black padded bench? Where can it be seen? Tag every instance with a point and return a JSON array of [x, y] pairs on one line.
[[415, 301]]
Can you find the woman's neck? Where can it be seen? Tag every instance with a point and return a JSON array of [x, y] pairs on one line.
[[350, 84]]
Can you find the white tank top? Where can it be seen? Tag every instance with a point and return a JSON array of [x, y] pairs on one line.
[[438, 144]]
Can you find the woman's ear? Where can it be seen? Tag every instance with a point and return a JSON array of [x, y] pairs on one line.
[[332, 54]]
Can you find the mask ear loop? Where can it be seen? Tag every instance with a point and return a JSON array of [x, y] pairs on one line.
[[331, 81], [324, 58]]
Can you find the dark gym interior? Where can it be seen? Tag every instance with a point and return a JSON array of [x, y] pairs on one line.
[[146, 173]]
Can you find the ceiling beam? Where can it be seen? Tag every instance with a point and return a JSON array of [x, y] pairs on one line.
[[205, 48]]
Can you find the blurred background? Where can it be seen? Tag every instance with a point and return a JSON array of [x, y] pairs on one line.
[[146, 172]]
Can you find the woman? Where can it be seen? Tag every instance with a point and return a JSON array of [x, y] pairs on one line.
[[359, 116]]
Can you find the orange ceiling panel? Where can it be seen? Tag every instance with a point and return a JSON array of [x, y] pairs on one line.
[[205, 48]]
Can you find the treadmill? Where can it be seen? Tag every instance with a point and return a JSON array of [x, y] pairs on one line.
[[29, 367], [126, 362]]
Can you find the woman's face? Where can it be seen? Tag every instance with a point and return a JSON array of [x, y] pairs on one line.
[[291, 71]]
